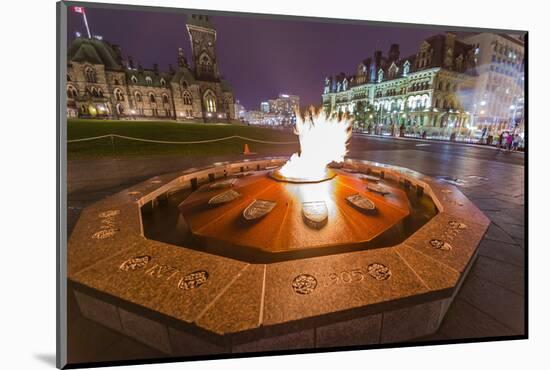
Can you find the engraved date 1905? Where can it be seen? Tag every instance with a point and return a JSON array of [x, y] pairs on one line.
[[376, 271]]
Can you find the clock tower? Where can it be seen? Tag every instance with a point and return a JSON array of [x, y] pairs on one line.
[[203, 47]]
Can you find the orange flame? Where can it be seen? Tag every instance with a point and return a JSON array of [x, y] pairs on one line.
[[323, 140]]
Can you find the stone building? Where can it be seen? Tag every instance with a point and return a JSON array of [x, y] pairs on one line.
[[103, 84], [432, 88], [499, 98]]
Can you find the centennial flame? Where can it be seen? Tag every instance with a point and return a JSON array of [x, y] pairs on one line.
[[323, 140]]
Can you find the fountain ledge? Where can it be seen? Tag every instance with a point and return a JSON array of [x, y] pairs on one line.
[[188, 303]]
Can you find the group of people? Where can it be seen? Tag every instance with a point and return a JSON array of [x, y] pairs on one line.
[[508, 141]]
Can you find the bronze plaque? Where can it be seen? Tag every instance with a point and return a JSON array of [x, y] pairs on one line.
[[376, 188], [223, 184], [224, 197], [361, 202], [258, 208], [315, 214]]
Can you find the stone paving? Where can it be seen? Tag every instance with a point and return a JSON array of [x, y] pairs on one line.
[[489, 304]]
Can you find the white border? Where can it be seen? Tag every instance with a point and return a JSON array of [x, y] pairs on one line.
[[28, 181]]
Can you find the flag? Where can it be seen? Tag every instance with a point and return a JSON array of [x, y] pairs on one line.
[[78, 9]]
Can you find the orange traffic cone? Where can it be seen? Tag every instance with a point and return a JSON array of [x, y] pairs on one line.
[[246, 150]]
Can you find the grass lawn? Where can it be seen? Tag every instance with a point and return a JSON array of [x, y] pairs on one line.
[[169, 131]]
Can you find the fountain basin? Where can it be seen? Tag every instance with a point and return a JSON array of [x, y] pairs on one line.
[[186, 301]]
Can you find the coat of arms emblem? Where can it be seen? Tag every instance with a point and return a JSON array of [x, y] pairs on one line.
[[225, 197], [376, 188], [361, 202], [223, 184], [315, 214], [258, 208]]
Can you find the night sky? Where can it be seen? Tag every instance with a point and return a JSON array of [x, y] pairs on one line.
[[259, 57]]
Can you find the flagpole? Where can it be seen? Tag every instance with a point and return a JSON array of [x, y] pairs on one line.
[[86, 23]]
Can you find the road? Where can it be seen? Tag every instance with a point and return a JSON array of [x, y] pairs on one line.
[[491, 300]]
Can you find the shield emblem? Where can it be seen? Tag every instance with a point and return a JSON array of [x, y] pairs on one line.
[[376, 188], [457, 225], [223, 184], [361, 202], [224, 197], [258, 208], [370, 178], [315, 214], [440, 244]]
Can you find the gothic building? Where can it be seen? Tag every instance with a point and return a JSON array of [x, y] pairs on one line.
[[102, 84], [434, 87]]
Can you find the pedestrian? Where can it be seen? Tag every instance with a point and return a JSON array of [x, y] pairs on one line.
[[509, 141], [500, 139], [515, 143]]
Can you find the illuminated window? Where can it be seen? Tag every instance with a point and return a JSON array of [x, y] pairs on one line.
[[134, 79], [149, 80], [119, 96], [90, 75], [187, 99], [210, 101], [406, 68], [71, 92], [162, 82]]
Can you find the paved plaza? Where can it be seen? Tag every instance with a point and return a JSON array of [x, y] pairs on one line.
[[491, 300]]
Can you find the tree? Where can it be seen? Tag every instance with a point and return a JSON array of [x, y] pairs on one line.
[[360, 114]]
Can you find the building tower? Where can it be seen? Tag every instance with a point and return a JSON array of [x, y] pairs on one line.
[[203, 47]]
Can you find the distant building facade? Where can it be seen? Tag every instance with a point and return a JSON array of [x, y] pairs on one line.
[[499, 98], [432, 88], [284, 104], [101, 83]]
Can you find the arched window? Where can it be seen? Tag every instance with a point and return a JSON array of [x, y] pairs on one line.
[[162, 82], [165, 99], [152, 98], [115, 82], [148, 80], [138, 96], [119, 96], [406, 68], [210, 101], [69, 77], [183, 84], [90, 75], [187, 99], [134, 79], [94, 92], [100, 93], [205, 63], [380, 75], [71, 92]]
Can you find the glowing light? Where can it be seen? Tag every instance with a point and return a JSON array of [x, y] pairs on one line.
[[483, 102], [323, 140]]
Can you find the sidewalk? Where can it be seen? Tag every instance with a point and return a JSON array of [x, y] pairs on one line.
[[439, 141]]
